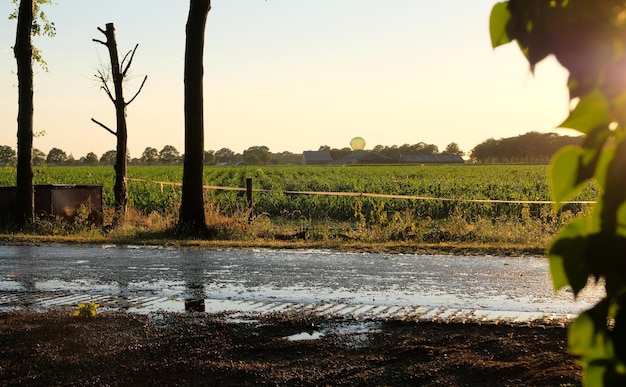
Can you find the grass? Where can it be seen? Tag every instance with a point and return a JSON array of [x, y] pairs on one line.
[[396, 232], [287, 220]]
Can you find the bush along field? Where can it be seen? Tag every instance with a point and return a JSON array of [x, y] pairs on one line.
[[431, 204]]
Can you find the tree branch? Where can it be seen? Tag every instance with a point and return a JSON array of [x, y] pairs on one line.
[[106, 90], [100, 41], [105, 86], [129, 61], [138, 91], [105, 127], [124, 60], [101, 76]]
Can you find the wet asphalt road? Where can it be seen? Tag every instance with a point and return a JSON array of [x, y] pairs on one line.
[[289, 276]]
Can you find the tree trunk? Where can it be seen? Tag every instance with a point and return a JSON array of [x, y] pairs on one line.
[[119, 190], [23, 50], [117, 97], [192, 219]]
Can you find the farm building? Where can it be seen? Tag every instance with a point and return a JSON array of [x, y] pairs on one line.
[[364, 157], [369, 157], [359, 157], [316, 157], [432, 159]]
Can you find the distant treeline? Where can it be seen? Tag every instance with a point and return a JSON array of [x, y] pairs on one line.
[[256, 155], [532, 147]]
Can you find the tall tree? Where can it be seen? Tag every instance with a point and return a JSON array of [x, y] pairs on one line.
[[224, 155], [257, 155], [56, 156], [453, 149], [90, 159], [150, 156], [119, 72], [25, 205], [191, 218], [169, 155], [209, 157], [109, 158], [39, 158], [7, 154], [30, 21]]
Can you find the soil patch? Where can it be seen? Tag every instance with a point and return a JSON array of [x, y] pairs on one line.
[[55, 348]]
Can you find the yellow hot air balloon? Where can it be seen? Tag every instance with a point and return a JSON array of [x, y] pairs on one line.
[[357, 143]]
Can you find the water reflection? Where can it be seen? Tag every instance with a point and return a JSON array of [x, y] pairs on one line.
[[194, 305], [207, 277], [21, 272], [192, 269]]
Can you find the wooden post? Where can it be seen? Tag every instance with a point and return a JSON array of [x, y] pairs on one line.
[[249, 198]]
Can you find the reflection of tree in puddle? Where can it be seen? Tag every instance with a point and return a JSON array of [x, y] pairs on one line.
[[193, 274], [194, 305], [27, 280], [22, 272]]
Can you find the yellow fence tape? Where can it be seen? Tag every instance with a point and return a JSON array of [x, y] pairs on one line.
[[365, 194]]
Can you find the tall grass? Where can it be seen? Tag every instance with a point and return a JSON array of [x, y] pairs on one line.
[[281, 214]]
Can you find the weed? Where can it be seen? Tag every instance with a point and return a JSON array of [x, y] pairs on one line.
[[87, 310]]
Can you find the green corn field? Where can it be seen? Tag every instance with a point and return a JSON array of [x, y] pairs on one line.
[[444, 189]]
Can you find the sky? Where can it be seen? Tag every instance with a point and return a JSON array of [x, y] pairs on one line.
[[291, 75]]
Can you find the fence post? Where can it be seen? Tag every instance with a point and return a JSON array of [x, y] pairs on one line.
[[249, 197]]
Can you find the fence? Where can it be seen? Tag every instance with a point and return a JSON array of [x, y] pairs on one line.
[[335, 205]]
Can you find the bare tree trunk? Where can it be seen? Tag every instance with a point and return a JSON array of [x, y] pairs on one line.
[[118, 72], [192, 219], [23, 50], [119, 190]]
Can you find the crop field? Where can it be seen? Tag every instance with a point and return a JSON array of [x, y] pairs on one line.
[[472, 190]]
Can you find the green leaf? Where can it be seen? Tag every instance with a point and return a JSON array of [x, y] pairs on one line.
[[621, 220], [591, 112], [563, 174], [597, 155], [500, 16], [557, 271], [570, 168], [588, 336], [581, 335], [595, 217], [594, 374], [566, 256], [602, 166]]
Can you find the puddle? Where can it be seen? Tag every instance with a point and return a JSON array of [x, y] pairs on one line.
[[11, 285], [19, 300], [353, 285], [305, 336], [351, 334]]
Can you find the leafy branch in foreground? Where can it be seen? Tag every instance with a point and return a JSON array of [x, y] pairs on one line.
[[589, 39], [41, 26]]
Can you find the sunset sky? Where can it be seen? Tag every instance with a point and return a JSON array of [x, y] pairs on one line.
[[288, 74]]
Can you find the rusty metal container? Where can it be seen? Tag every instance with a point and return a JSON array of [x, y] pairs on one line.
[[65, 201], [60, 200]]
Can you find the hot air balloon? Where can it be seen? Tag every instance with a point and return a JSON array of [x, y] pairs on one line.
[[357, 143]]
